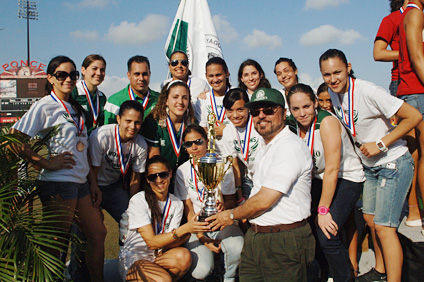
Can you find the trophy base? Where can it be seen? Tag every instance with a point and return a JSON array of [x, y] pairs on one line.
[[202, 217]]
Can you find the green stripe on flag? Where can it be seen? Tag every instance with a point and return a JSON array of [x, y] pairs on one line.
[[178, 41]]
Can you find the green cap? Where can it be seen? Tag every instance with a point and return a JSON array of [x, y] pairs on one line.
[[266, 96]]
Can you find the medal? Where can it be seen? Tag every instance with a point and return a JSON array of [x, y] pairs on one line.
[[80, 146], [133, 97], [348, 118], [165, 213], [78, 123], [123, 165], [221, 115], [311, 136], [176, 144], [94, 105], [244, 148]]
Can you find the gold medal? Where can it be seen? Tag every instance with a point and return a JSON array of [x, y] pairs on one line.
[[80, 146]]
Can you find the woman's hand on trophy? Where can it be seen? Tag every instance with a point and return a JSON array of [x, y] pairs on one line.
[[219, 128], [195, 226], [212, 244], [219, 206], [220, 220]]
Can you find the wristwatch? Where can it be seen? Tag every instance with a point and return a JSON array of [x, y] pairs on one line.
[[323, 210], [381, 146], [232, 214]]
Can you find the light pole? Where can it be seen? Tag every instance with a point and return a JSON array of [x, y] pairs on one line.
[[28, 10]]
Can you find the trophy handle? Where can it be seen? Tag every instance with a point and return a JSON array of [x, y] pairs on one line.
[[192, 158], [228, 159]]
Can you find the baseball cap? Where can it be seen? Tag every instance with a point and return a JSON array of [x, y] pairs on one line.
[[266, 96]]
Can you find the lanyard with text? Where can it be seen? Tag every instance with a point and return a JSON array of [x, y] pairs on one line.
[[165, 213], [123, 165], [132, 97], [95, 107], [348, 119], [78, 123], [219, 116], [176, 144], [244, 147], [200, 193]]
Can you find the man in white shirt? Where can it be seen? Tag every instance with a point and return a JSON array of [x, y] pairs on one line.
[[279, 246]]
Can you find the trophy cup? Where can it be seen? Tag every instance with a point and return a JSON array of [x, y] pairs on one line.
[[211, 170]]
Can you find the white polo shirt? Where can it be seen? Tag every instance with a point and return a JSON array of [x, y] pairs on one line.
[[284, 165]]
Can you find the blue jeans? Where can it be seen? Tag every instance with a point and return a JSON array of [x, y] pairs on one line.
[[386, 188], [115, 199], [246, 186], [415, 100], [203, 259], [345, 197], [393, 87], [66, 190]]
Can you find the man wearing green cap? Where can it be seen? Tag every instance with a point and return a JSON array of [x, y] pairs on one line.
[[279, 246]]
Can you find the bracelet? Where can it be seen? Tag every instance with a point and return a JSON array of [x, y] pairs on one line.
[[240, 201], [175, 235]]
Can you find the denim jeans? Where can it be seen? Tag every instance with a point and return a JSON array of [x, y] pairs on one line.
[[115, 199], [386, 188], [246, 186], [416, 101], [393, 87], [345, 197], [203, 259]]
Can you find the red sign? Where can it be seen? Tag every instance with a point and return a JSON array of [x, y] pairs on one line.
[[21, 69]]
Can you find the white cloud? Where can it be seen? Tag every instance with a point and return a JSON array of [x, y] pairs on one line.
[[113, 84], [225, 31], [91, 35], [306, 78], [89, 4], [321, 4], [152, 28], [329, 34], [259, 38]]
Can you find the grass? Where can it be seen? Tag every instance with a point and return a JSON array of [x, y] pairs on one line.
[[112, 237]]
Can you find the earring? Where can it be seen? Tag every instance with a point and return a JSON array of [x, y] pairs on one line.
[[167, 110]]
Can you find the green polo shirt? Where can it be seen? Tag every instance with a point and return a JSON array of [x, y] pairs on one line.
[[115, 101], [157, 136], [81, 99]]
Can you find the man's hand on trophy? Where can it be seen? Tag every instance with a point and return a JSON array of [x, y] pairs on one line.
[[219, 128], [220, 220]]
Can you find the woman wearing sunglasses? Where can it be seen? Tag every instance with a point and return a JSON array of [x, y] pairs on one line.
[[178, 67], [92, 100], [337, 176], [365, 110], [151, 249], [218, 78], [164, 127], [63, 177], [251, 76], [191, 191], [241, 140]]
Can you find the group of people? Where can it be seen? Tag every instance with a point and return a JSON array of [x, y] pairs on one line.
[[301, 160]]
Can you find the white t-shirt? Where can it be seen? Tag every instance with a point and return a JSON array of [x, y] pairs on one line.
[[104, 154], [204, 108], [350, 165], [196, 85], [41, 118], [373, 108], [232, 146], [284, 165], [185, 187], [139, 215]]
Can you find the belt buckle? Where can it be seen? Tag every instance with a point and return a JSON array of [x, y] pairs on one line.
[[254, 228]]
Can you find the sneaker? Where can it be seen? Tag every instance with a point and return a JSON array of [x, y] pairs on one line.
[[371, 276]]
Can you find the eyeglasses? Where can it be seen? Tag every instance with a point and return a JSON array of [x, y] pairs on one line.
[[174, 63], [63, 75], [152, 177], [198, 142], [267, 111]]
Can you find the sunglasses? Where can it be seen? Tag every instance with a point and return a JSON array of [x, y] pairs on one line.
[[174, 63], [152, 177], [267, 111], [63, 75], [198, 142]]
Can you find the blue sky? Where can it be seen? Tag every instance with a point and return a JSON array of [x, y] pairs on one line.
[[261, 30]]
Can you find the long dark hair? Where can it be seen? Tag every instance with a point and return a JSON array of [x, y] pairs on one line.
[[263, 83], [150, 196], [233, 96], [51, 69]]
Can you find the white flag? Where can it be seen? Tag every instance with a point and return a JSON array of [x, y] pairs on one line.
[[193, 31]]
